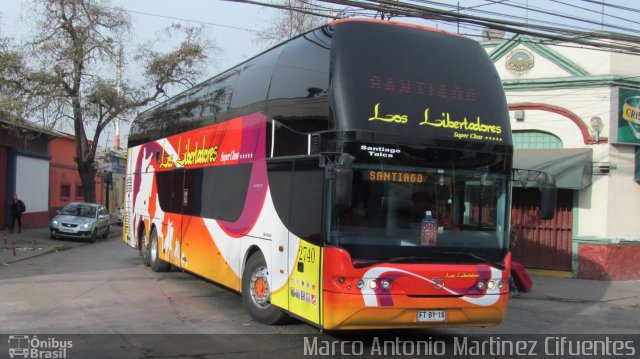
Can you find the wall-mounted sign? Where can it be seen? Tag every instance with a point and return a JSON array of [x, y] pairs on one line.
[[519, 62], [627, 107]]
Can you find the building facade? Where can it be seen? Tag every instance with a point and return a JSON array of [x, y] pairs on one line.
[[64, 180], [24, 170], [112, 165], [575, 113], [39, 166]]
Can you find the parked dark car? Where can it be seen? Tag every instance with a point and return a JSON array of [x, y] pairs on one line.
[[81, 220]]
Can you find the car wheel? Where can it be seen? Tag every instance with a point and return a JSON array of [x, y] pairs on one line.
[[106, 232], [256, 293], [94, 236], [157, 264]]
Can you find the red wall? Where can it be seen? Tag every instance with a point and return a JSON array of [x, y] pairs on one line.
[[63, 171], [609, 262]]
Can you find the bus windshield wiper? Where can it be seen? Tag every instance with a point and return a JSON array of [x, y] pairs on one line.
[[393, 260], [474, 256], [427, 259]]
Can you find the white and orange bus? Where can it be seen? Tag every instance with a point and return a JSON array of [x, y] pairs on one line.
[[356, 176]]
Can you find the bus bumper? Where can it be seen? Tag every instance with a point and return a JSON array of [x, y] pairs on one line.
[[348, 312]]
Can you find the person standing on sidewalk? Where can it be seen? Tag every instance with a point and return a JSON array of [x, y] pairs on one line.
[[16, 208]]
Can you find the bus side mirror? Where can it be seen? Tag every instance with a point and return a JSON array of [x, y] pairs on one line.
[[342, 188], [548, 197]]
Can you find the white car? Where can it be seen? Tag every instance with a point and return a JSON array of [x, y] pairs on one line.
[[81, 220], [120, 215]]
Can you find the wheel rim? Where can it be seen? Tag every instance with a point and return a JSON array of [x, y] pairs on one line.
[[259, 287], [154, 248]]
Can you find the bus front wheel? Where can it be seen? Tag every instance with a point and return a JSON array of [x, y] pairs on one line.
[[256, 293]]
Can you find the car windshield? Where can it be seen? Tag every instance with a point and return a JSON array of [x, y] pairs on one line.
[[79, 210]]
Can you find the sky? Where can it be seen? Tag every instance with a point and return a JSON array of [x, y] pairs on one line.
[[226, 23], [230, 24]]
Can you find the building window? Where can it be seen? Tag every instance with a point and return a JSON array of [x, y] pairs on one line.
[[65, 192], [79, 192], [535, 140]]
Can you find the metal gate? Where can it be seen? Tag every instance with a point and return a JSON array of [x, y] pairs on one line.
[[542, 244]]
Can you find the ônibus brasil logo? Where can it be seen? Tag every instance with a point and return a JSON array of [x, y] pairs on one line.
[[26, 346]]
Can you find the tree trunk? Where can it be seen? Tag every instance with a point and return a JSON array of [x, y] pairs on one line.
[[87, 176]]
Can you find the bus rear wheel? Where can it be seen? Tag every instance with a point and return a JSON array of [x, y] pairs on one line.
[[256, 293], [146, 249], [157, 264]]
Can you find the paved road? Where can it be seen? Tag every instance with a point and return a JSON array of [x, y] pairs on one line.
[[103, 288]]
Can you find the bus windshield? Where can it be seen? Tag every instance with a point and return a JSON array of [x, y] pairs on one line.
[[417, 211]]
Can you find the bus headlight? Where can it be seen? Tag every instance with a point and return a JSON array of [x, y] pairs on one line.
[[385, 284], [360, 284], [373, 284], [481, 285]]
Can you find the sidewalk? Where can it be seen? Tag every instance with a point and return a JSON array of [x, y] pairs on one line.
[[35, 241], [618, 293]]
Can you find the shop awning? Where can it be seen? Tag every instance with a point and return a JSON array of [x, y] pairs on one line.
[[570, 166]]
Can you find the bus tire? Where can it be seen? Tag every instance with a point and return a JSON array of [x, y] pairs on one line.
[[145, 247], [256, 293], [157, 264], [146, 252]]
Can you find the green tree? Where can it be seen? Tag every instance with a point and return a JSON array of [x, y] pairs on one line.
[[70, 76]]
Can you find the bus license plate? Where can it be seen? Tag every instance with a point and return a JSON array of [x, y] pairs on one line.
[[439, 315]]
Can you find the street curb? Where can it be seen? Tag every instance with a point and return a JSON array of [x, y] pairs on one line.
[[53, 249]]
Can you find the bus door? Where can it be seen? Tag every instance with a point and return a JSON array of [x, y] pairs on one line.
[[305, 240], [172, 221]]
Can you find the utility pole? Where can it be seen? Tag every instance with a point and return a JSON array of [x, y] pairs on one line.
[[118, 90]]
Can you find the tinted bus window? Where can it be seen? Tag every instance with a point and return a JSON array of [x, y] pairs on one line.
[[253, 83], [411, 82], [217, 192], [300, 84], [219, 94]]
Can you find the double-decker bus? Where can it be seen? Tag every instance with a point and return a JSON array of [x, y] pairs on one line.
[[354, 177]]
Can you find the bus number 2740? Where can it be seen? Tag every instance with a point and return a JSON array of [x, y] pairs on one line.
[[307, 254]]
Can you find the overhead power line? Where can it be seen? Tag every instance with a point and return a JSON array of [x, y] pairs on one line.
[[620, 7], [568, 17], [614, 41], [596, 12]]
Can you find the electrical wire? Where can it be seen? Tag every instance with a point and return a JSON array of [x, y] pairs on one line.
[[614, 41], [595, 11], [582, 38], [620, 7], [568, 17], [182, 19]]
